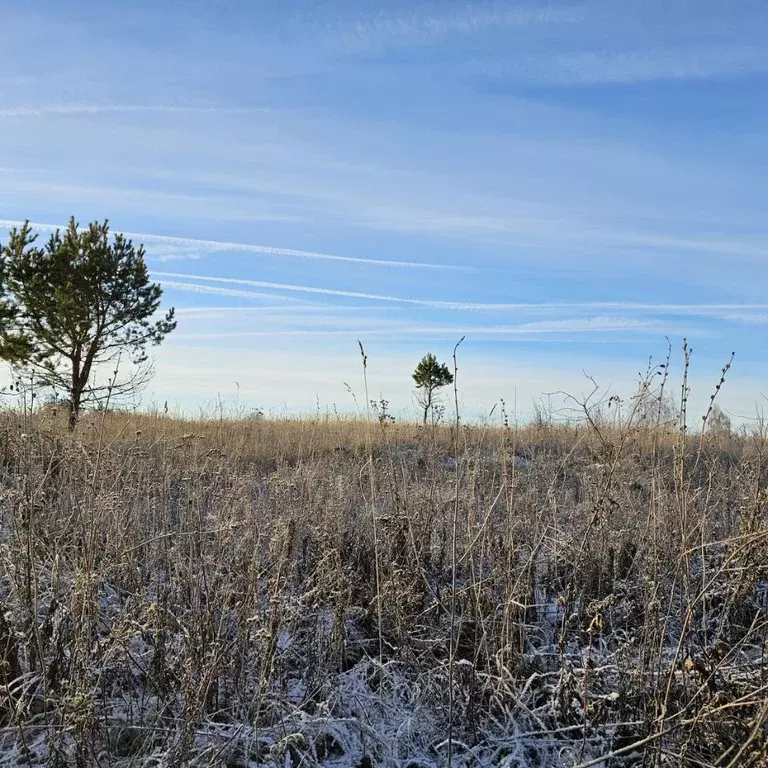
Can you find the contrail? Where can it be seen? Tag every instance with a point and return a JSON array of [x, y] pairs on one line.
[[592, 305], [212, 246], [218, 291]]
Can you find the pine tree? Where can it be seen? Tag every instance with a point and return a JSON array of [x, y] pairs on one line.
[[80, 301], [430, 376]]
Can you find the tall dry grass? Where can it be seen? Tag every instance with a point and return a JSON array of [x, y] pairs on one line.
[[349, 592]]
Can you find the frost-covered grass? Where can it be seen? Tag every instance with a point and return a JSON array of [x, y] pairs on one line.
[[280, 593]]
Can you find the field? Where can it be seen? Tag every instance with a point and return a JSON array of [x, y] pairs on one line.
[[359, 593]]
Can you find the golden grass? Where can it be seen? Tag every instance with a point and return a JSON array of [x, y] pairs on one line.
[[203, 592]]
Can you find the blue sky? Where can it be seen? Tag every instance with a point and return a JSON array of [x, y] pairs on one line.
[[565, 183]]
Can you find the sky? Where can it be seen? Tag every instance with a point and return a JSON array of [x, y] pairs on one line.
[[565, 184]]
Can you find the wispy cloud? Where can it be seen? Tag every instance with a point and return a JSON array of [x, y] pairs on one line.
[[746, 318], [118, 195], [192, 248], [745, 248], [209, 313], [679, 63], [216, 290], [621, 66], [213, 246], [399, 329], [704, 309], [41, 110], [588, 324], [308, 319], [434, 24]]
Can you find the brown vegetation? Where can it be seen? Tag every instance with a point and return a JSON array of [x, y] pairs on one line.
[[212, 593]]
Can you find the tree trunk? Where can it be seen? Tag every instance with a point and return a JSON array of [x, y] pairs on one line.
[[74, 411], [75, 394], [427, 404]]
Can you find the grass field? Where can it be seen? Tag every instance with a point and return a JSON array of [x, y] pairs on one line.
[[357, 593]]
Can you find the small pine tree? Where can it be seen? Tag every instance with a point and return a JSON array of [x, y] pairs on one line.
[[429, 376], [81, 300]]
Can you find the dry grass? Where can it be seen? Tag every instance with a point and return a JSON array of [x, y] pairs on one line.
[[205, 593]]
